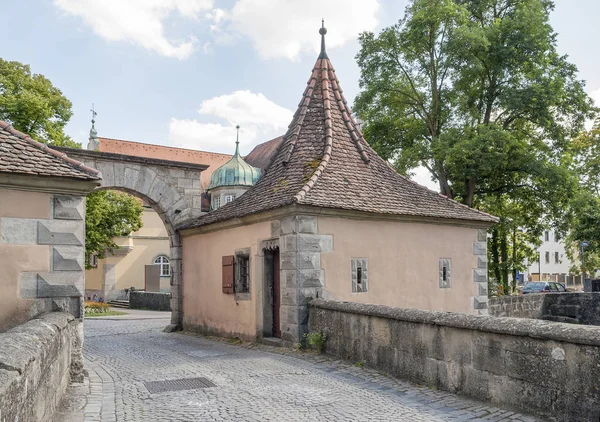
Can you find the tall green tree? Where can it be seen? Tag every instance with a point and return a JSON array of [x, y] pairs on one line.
[[33, 105], [476, 92], [109, 214]]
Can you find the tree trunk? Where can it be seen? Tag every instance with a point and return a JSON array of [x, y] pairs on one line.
[[504, 257], [443, 180], [495, 257], [514, 259], [469, 195]]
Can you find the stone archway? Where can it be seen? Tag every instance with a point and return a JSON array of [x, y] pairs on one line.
[[171, 188]]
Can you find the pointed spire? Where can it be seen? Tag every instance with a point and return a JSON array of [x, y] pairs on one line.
[[323, 31], [237, 141]]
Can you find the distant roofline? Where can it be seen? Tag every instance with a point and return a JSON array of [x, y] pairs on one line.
[[164, 146]]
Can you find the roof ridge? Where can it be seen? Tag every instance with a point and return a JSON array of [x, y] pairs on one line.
[[44, 147], [300, 114], [165, 146], [325, 87], [347, 117]]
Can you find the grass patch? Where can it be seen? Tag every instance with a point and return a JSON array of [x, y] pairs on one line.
[[107, 313]]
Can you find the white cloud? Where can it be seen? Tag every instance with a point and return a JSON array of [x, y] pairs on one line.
[[288, 28], [138, 21], [260, 120], [596, 97], [423, 177]]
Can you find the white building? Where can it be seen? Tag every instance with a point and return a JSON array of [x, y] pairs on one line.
[[554, 263]]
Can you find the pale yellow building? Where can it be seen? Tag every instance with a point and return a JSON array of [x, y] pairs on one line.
[[329, 218], [124, 267]]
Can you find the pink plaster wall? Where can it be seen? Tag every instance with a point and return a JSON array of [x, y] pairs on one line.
[[15, 259], [205, 307], [403, 263]]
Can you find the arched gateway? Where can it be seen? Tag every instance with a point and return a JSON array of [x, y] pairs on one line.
[[171, 188]]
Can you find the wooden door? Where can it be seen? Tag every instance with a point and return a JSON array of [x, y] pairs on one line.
[[276, 295]]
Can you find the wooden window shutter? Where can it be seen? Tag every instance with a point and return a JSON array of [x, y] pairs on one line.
[[228, 277]]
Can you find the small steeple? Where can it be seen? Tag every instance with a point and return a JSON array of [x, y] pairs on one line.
[[93, 143], [323, 31], [237, 141]]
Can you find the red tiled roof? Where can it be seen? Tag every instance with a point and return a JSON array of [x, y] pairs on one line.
[[21, 154], [324, 161], [262, 154], [139, 149]]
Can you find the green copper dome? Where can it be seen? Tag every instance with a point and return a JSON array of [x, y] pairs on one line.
[[235, 172]]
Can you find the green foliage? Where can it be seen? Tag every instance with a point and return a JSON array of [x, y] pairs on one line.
[[475, 91], [109, 214], [316, 340], [33, 105], [360, 364]]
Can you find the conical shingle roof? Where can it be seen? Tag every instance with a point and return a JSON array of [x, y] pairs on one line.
[[324, 161]]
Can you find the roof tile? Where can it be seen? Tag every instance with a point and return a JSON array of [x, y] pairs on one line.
[[21, 154], [324, 161]]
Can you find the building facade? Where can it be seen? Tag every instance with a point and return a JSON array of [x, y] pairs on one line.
[[329, 218], [42, 229], [553, 263], [125, 267]]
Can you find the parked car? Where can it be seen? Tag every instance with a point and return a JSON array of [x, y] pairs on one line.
[[543, 287]]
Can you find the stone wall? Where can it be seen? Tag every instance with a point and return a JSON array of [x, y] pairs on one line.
[[521, 306], [302, 276], [547, 368], [150, 300], [574, 308], [38, 359]]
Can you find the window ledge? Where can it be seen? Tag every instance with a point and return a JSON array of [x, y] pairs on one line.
[[243, 296]]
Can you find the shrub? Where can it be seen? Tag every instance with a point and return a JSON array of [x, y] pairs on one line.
[[316, 340], [95, 307]]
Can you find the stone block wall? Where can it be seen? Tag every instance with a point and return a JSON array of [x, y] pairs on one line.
[[150, 300], [543, 367], [302, 277], [573, 308], [521, 306], [38, 359]]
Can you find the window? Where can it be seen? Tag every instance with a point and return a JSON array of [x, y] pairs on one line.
[[243, 269], [547, 255], [242, 274], [360, 278], [93, 260], [229, 198], [444, 273], [165, 266], [556, 237], [556, 258], [546, 236], [216, 202]]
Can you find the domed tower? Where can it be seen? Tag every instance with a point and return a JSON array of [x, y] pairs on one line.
[[232, 179]]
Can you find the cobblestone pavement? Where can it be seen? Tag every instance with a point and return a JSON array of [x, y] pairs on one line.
[[253, 383]]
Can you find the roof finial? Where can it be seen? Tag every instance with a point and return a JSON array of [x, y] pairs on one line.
[[237, 140], [93, 144], [94, 114], [323, 31]]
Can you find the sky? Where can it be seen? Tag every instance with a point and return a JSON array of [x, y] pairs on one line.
[[185, 72]]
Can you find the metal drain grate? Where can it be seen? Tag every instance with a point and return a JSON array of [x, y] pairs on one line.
[[178, 385]]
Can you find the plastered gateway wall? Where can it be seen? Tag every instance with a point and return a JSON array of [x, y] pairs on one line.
[[42, 248]]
